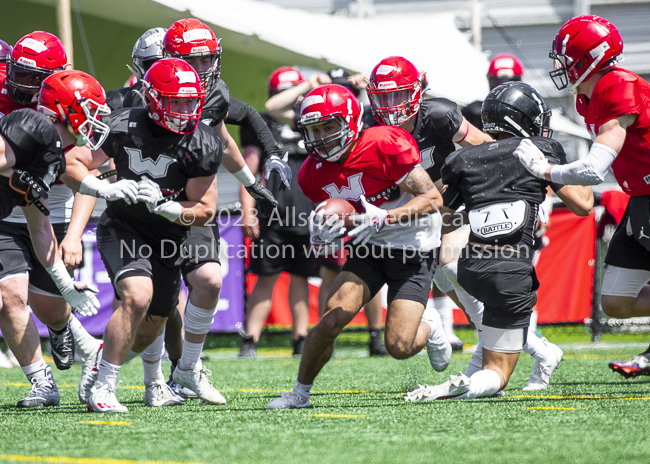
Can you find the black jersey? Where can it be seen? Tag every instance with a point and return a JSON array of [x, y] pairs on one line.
[[141, 148], [436, 124], [217, 103], [292, 204], [472, 113], [38, 150], [489, 174], [126, 97]]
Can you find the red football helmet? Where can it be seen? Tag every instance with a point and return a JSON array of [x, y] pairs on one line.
[[5, 51], [78, 100], [585, 45], [33, 58], [395, 90], [504, 67], [173, 82], [284, 78], [330, 103], [189, 38]]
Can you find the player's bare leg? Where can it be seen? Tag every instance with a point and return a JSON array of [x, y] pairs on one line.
[[406, 333], [205, 283]]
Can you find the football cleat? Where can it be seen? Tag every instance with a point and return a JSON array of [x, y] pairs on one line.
[[289, 400], [456, 385], [298, 346], [62, 347], [543, 369], [248, 348], [376, 346], [159, 394], [456, 343], [638, 365], [102, 399], [197, 381], [178, 390], [438, 347], [89, 373], [44, 392]]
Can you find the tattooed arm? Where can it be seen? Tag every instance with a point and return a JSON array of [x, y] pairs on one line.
[[426, 197]]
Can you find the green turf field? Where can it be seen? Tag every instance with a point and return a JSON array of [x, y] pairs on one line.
[[588, 415]]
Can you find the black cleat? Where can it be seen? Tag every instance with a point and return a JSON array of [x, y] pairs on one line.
[[248, 348], [44, 392], [298, 346], [62, 347], [457, 345], [376, 346]]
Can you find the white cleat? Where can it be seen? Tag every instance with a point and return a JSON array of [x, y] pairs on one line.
[[542, 371], [438, 347], [197, 381], [159, 394], [456, 385], [102, 399], [289, 400], [89, 372]]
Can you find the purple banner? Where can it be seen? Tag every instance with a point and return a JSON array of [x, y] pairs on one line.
[[230, 310]]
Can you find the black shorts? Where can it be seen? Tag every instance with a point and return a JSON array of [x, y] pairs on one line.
[[274, 252], [202, 246], [18, 256], [505, 286], [624, 251], [135, 259], [408, 277]]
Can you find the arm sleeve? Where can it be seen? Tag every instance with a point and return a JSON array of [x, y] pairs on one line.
[[244, 115], [590, 170]]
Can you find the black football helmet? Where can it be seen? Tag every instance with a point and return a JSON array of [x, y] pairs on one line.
[[515, 108]]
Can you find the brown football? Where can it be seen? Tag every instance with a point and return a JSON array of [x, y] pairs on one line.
[[340, 207]]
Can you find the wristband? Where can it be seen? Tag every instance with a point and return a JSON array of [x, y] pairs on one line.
[[245, 176], [90, 185], [464, 136]]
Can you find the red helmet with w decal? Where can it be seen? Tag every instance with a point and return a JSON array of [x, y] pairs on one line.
[[33, 58], [174, 95], [78, 100], [585, 45], [330, 120], [191, 38], [395, 90]]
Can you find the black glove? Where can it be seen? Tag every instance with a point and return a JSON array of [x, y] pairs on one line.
[[279, 165], [264, 198]]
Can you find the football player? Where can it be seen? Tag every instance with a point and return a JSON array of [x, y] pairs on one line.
[[395, 239], [284, 107], [32, 159], [166, 161], [614, 103], [501, 200]]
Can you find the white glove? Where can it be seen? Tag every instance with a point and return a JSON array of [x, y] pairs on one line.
[[81, 298], [370, 222], [170, 210], [532, 158], [324, 231], [149, 193], [124, 189]]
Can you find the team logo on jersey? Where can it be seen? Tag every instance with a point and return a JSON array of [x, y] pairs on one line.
[[647, 179], [155, 169], [427, 157], [352, 191]]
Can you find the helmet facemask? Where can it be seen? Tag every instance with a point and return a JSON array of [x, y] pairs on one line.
[[24, 82], [394, 106], [330, 147], [160, 109]]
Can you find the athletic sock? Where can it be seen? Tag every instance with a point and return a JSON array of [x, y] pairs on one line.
[[476, 361], [302, 389], [484, 383], [153, 372], [445, 307], [108, 372], [85, 344], [191, 355], [535, 346], [152, 360], [35, 370]]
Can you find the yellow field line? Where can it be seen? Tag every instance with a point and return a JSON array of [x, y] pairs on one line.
[[560, 397], [337, 415], [553, 407], [67, 460], [105, 422]]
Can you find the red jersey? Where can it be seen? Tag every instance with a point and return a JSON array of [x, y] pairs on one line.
[[617, 93], [381, 159]]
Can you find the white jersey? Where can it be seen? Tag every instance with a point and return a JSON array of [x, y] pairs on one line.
[[59, 203]]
